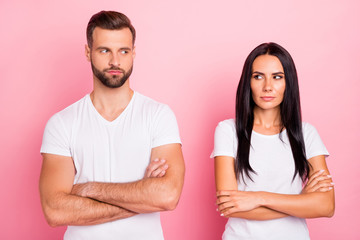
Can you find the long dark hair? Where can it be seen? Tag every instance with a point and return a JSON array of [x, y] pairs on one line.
[[290, 112]]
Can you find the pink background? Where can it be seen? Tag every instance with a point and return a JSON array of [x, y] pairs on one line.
[[189, 55]]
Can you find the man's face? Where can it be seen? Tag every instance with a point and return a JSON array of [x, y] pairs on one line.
[[111, 56]]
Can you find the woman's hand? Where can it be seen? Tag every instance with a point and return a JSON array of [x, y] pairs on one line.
[[236, 201], [318, 182]]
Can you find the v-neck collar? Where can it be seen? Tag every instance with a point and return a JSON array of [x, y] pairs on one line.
[[88, 99]]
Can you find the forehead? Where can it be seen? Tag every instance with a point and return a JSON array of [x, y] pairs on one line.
[[267, 63], [109, 38]]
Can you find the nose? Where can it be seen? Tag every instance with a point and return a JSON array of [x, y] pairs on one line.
[[268, 85], [114, 60]]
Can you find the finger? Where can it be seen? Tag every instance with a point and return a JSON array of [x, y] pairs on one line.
[[318, 179], [159, 170], [153, 165], [325, 189], [323, 185], [225, 205], [222, 200], [150, 167], [162, 173], [224, 192], [228, 212], [314, 175]]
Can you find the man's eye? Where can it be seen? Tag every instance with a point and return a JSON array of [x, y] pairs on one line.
[[124, 52], [104, 51]]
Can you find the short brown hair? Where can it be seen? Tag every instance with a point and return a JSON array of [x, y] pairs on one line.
[[108, 20]]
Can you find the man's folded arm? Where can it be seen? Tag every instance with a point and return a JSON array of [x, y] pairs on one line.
[[63, 208], [148, 194]]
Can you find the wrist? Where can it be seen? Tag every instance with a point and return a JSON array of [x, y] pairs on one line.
[[261, 196]]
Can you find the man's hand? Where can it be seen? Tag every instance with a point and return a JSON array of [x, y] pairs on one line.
[[156, 168], [318, 182], [81, 189]]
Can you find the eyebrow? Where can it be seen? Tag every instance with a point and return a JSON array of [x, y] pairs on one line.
[[106, 48], [275, 73]]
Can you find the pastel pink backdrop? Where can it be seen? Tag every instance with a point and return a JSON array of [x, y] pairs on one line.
[[189, 55]]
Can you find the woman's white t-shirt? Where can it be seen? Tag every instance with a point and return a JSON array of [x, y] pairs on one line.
[[272, 160]]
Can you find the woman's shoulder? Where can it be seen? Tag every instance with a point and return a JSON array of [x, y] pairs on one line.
[[227, 124], [308, 128]]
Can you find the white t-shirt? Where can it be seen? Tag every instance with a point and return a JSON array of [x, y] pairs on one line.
[[116, 151], [273, 162]]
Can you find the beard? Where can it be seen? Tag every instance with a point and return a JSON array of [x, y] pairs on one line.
[[112, 81]]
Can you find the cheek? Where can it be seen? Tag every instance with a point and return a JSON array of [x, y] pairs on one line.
[[254, 90], [280, 88]]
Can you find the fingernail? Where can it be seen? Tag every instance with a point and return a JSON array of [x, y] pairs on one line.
[[156, 160], [330, 188], [221, 214], [322, 170], [166, 166], [162, 172], [332, 183], [162, 160]]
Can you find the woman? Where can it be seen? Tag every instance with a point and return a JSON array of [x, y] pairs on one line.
[[270, 168]]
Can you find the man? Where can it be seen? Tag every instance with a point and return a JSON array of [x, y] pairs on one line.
[[112, 160]]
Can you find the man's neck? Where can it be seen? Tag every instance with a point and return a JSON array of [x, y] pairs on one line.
[[111, 102]]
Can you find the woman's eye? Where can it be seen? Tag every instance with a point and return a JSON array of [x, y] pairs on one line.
[[257, 77], [278, 77]]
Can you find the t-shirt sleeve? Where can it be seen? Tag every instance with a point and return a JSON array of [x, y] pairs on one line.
[[224, 140], [313, 143], [56, 138], [165, 129]]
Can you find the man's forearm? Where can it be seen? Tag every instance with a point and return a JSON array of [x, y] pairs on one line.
[[146, 195], [68, 209], [150, 194]]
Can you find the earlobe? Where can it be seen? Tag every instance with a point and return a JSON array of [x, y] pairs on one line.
[[87, 52]]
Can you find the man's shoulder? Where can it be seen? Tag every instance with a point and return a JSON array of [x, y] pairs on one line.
[[72, 111], [149, 103]]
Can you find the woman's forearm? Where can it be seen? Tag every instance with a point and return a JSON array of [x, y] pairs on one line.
[[308, 205], [260, 213]]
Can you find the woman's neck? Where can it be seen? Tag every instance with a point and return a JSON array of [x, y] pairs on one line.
[[267, 122]]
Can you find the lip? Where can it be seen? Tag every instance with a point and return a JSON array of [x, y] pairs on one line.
[[267, 98], [115, 72]]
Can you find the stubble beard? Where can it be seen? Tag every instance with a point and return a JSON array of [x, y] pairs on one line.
[[113, 81]]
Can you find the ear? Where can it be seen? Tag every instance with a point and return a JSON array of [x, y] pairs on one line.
[[87, 52], [133, 52]]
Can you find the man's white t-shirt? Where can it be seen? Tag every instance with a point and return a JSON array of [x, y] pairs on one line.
[[273, 162], [116, 151]]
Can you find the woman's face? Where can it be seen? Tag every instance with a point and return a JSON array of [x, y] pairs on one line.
[[267, 82]]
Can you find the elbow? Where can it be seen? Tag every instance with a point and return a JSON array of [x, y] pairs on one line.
[[52, 218], [170, 201], [327, 210], [330, 211], [53, 223]]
